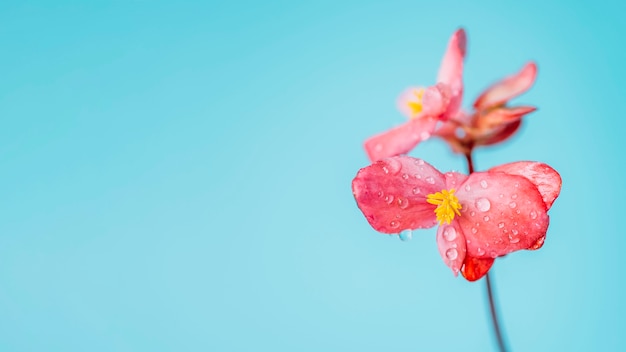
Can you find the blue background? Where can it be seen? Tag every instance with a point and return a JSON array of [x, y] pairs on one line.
[[175, 176]]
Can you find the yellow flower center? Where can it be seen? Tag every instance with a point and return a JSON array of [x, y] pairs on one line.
[[416, 104], [447, 205]]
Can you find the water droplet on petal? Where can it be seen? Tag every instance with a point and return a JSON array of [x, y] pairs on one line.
[[518, 211], [514, 240], [389, 199], [416, 190], [480, 251], [483, 184], [501, 225], [514, 232], [486, 218], [419, 162], [533, 214], [512, 205], [405, 176], [385, 169], [394, 224], [516, 184], [474, 230], [514, 196], [483, 204], [449, 233], [403, 203], [472, 213], [452, 254], [493, 254], [424, 135], [406, 235], [468, 188], [393, 166], [430, 180]]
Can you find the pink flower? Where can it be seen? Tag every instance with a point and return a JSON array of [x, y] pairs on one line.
[[492, 121], [425, 106], [481, 216]]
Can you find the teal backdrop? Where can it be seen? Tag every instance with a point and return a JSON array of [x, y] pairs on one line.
[[175, 176]]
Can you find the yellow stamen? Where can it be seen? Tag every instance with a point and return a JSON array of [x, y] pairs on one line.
[[416, 105], [447, 205]]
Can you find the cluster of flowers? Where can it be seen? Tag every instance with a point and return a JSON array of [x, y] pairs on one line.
[[481, 216]]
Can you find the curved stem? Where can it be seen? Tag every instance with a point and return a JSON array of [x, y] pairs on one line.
[[490, 295], [494, 315]]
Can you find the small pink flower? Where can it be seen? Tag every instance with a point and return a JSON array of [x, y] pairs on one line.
[[425, 106], [492, 121], [481, 216]]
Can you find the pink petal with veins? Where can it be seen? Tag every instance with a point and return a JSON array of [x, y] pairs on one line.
[[401, 139], [391, 193], [500, 213], [451, 244], [508, 88], [545, 178], [451, 69]]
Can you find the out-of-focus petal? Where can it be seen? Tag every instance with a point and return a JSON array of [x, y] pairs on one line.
[[391, 193], [545, 178], [451, 244], [401, 139], [508, 88], [475, 268], [497, 135], [501, 116], [451, 69], [500, 213]]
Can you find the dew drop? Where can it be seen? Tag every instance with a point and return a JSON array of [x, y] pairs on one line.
[[483, 204], [514, 239], [483, 184], [419, 162], [472, 213], [385, 169], [518, 211], [468, 188], [486, 218], [452, 254], [394, 224], [405, 176], [380, 194], [393, 166], [501, 225], [474, 230], [406, 235], [389, 199], [416, 190], [449, 234], [418, 176], [403, 203], [516, 184], [512, 205], [514, 196], [430, 180], [514, 232], [533, 214], [493, 254], [480, 251]]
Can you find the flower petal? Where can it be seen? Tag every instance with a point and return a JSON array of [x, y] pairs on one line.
[[451, 69], [391, 193], [451, 244], [500, 116], [546, 179], [500, 213], [475, 268], [507, 88], [400, 139], [498, 134]]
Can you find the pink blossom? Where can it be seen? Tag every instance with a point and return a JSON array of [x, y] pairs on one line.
[[425, 106], [481, 216]]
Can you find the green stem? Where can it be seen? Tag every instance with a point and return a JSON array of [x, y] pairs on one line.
[[490, 296]]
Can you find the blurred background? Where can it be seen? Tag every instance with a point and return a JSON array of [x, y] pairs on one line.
[[175, 176]]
